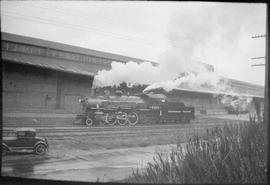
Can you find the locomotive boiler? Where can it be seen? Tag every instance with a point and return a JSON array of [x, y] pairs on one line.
[[131, 110]]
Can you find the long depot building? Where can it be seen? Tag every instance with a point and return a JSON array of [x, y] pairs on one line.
[[41, 75]]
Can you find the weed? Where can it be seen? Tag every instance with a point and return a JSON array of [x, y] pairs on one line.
[[235, 153]]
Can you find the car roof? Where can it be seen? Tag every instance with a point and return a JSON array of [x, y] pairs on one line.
[[25, 129]]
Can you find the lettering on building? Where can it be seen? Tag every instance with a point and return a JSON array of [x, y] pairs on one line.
[[53, 53]]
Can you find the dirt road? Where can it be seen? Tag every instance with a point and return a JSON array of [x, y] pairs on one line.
[[102, 165]]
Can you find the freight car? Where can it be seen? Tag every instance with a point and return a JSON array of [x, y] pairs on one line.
[[143, 109]]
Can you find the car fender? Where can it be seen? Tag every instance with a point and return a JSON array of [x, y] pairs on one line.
[[40, 142], [4, 145]]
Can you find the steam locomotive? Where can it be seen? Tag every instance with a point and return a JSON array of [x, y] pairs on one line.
[[131, 110]]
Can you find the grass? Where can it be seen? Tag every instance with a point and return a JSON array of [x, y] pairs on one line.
[[235, 153]]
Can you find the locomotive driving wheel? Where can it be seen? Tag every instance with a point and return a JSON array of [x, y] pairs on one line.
[[122, 118], [132, 118], [110, 119], [89, 121]]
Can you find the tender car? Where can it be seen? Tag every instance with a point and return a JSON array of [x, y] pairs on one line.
[[24, 139]]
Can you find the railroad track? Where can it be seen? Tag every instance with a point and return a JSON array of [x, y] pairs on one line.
[[123, 134], [118, 131]]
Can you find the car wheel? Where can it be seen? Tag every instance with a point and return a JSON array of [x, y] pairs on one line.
[[40, 149]]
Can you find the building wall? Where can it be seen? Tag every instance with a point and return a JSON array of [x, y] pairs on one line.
[[72, 88], [31, 88], [37, 88], [203, 103], [25, 88], [28, 87]]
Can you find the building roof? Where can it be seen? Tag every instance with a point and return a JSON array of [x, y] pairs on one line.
[[209, 92], [238, 82], [66, 47], [222, 93], [45, 62]]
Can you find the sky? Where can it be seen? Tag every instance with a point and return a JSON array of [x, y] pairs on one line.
[[215, 33]]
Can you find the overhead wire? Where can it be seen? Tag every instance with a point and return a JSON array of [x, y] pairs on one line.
[[78, 27], [85, 16], [73, 26]]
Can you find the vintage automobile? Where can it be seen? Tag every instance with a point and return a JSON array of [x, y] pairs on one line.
[[24, 139]]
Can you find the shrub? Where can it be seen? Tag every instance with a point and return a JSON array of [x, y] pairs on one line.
[[235, 153]]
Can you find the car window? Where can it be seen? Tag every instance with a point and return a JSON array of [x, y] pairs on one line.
[[9, 134], [20, 134], [29, 134]]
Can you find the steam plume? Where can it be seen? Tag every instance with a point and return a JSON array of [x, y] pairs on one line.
[[179, 66]]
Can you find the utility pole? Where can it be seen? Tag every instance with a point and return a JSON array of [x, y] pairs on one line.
[[255, 58], [266, 64], [258, 109], [254, 65], [258, 36], [266, 98], [266, 88]]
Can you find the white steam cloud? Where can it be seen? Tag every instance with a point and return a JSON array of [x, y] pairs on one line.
[[179, 66], [130, 72], [239, 103], [194, 76]]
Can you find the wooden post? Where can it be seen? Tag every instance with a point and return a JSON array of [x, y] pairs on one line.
[[266, 99]]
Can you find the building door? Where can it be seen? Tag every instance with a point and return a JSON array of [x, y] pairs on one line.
[[72, 104]]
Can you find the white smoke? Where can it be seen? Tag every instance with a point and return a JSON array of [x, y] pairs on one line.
[[239, 103], [190, 81], [131, 73], [193, 78], [185, 32], [179, 66]]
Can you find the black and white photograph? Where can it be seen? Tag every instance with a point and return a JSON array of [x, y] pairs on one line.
[[137, 92]]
